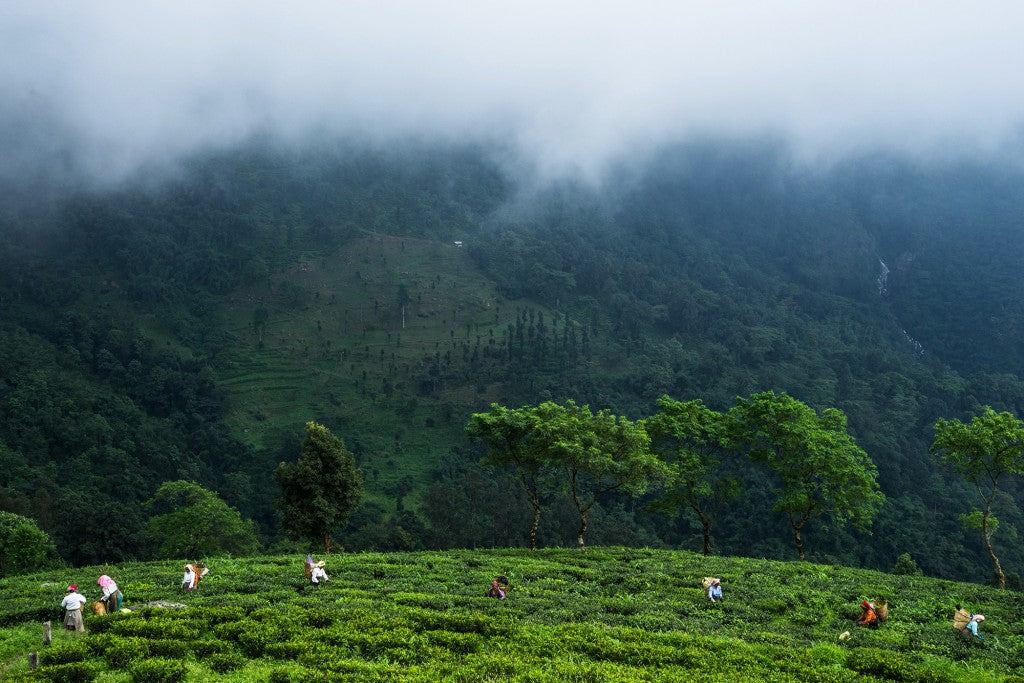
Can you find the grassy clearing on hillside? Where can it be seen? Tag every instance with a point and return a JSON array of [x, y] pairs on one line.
[[335, 347], [612, 615]]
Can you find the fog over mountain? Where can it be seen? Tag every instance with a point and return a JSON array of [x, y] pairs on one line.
[[98, 89]]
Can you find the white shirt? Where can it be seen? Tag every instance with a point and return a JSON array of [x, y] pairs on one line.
[[72, 602], [109, 590], [319, 573]]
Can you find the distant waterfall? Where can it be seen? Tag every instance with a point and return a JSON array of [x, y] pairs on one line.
[[918, 348], [883, 289]]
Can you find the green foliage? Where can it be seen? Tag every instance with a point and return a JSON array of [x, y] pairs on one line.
[[189, 521], [158, 670], [514, 440], [588, 454], [612, 614], [225, 662], [24, 547], [123, 652], [820, 467], [186, 330], [321, 490], [985, 451], [694, 439], [906, 566], [70, 672], [64, 654]]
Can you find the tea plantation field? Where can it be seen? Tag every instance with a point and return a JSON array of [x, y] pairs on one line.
[[615, 614]]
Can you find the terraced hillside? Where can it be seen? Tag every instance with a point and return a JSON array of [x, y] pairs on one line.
[[394, 338], [612, 615]]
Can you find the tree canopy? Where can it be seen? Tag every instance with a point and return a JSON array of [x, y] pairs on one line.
[[513, 439], [695, 441], [820, 468], [983, 451], [321, 489], [191, 522], [24, 547]]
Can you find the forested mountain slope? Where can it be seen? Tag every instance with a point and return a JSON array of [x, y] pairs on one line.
[[188, 328]]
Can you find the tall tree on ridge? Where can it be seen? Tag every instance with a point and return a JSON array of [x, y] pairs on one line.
[[693, 439], [321, 489], [984, 451], [820, 467]]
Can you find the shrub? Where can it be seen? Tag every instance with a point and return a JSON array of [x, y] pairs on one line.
[[205, 648], [229, 631], [256, 637], [225, 662], [220, 615], [172, 649], [890, 665], [124, 652], [158, 670], [320, 618], [905, 566], [71, 672], [64, 654], [460, 643]]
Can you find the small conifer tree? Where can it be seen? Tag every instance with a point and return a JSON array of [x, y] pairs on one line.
[[321, 490]]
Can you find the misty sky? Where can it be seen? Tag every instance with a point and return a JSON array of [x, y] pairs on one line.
[[102, 87]]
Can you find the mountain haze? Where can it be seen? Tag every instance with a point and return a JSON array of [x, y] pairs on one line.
[[189, 327]]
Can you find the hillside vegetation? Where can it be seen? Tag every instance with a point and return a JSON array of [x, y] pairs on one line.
[[187, 329], [614, 614]]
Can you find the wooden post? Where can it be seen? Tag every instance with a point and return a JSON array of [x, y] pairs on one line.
[[33, 660], [46, 633]]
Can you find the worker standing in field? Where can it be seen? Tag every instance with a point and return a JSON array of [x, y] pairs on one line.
[[868, 616], [193, 574], [318, 573], [72, 604], [111, 595]]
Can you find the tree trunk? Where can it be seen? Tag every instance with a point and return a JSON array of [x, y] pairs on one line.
[[799, 541], [583, 530], [536, 522], [1000, 576], [327, 543], [583, 513], [706, 524]]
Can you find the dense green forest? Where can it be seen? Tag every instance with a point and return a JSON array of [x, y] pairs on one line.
[[187, 328]]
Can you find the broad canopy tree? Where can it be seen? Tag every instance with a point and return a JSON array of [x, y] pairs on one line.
[[983, 452], [321, 490], [512, 437], [587, 454], [191, 522], [821, 469], [695, 441], [24, 547], [597, 453]]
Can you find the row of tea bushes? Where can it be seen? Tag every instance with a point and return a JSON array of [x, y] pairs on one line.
[[611, 615]]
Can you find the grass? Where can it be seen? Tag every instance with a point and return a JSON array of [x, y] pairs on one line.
[[614, 614]]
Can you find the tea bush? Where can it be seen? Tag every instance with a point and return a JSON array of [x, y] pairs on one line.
[[158, 670], [225, 661], [70, 672], [611, 615], [65, 653]]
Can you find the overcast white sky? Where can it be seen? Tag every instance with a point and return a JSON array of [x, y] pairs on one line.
[[102, 86]]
